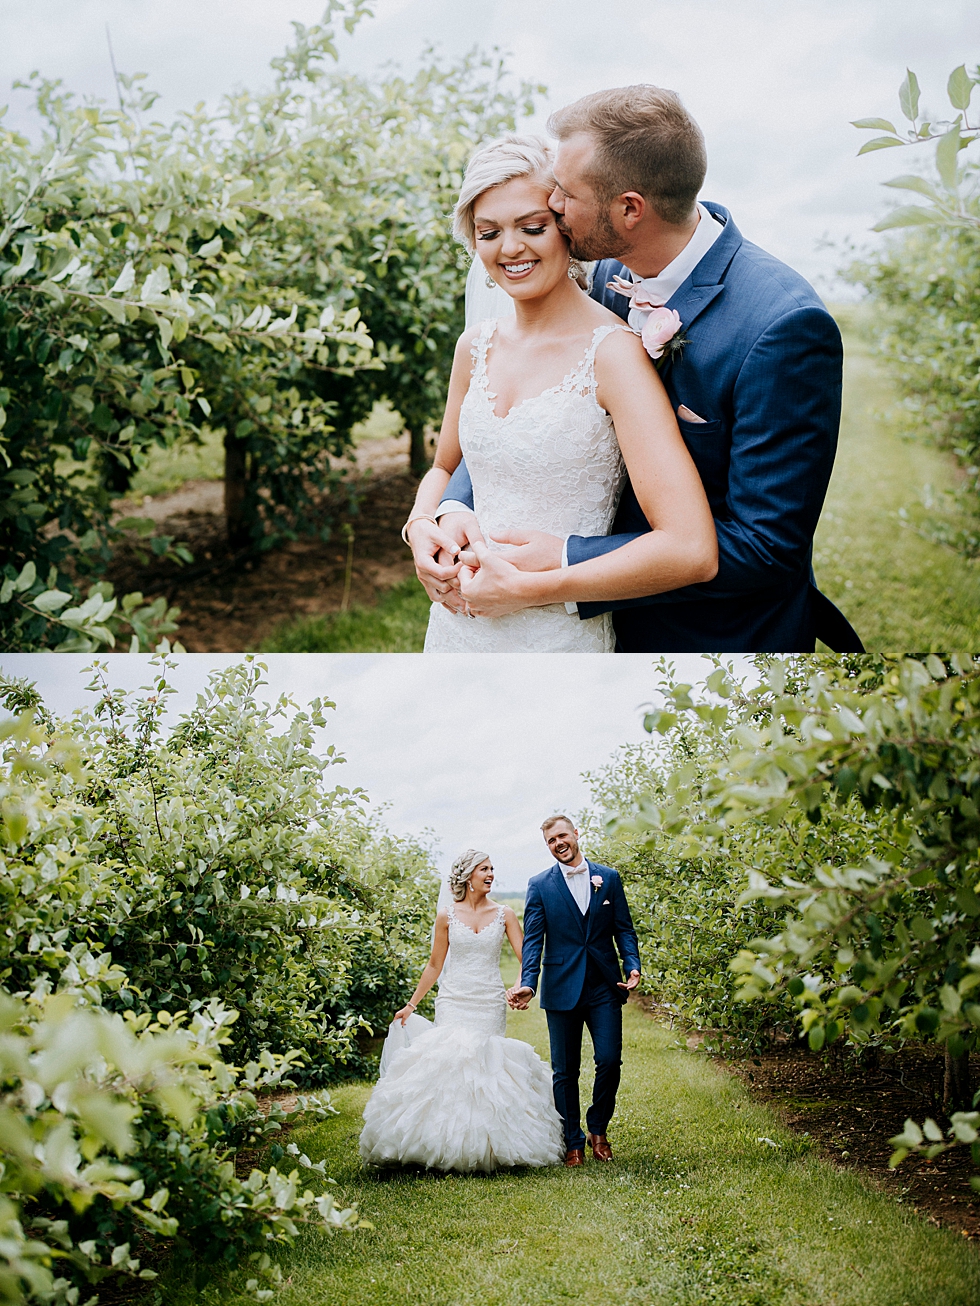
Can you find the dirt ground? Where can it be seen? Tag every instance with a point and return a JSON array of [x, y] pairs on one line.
[[230, 603], [852, 1108]]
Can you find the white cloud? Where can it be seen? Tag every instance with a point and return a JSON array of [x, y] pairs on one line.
[[774, 83], [477, 749]]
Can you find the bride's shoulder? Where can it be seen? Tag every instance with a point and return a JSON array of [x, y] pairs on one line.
[[619, 347], [509, 912], [471, 335]]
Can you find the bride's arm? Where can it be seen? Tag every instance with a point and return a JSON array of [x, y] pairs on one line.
[[515, 935], [425, 536], [433, 969], [681, 547]]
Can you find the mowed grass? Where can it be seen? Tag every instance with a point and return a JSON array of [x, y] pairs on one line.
[[900, 591], [395, 624], [697, 1207]]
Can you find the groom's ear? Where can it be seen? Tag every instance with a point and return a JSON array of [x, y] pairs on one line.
[[634, 208]]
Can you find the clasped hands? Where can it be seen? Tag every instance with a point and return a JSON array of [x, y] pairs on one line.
[[519, 997], [458, 570]]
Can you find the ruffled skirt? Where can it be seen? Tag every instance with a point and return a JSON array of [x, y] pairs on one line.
[[451, 1098]]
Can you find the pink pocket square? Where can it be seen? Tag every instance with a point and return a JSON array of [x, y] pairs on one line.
[[606, 903], [687, 415]]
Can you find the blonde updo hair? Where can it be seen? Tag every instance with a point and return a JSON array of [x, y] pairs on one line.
[[495, 164], [463, 867]]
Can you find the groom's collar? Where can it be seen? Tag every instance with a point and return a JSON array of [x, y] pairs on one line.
[[706, 282], [713, 266]]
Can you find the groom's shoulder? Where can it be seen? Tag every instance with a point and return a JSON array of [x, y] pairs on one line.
[[536, 881], [773, 285]]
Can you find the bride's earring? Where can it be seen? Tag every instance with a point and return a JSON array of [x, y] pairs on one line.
[[572, 271], [490, 281]]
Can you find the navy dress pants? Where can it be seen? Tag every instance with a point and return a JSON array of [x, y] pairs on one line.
[[600, 1010]]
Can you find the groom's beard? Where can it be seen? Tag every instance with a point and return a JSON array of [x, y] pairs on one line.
[[602, 240]]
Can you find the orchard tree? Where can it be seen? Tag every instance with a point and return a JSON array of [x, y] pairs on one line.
[[218, 272]]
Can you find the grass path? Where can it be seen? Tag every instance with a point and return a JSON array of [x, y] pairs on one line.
[[901, 592], [695, 1209]]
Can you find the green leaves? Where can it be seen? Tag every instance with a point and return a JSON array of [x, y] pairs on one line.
[[908, 96], [947, 152], [119, 837], [879, 143], [959, 88], [908, 216], [876, 124]]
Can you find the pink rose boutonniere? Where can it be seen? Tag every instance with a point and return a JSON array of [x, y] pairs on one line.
[[596, 883], [659, 334], [657, 326]]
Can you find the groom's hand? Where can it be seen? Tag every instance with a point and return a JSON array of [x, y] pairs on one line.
[[494, 588], [631, 983], [532, 550], [519, 997]]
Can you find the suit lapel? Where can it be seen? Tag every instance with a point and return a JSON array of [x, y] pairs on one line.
[[705, 283]]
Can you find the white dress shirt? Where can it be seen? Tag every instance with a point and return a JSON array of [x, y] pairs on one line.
[[669, 281], [577, 879]]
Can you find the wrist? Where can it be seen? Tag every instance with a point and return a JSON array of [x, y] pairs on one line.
[[537, 588], [415, 517]]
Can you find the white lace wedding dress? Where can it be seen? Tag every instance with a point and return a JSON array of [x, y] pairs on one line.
[[459, 1094], [551, 464]]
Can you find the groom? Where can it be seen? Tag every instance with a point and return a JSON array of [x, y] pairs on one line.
[[756, 389], [574, 911]]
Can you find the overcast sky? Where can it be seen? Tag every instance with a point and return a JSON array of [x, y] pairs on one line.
[[479, 750], [773, 83]]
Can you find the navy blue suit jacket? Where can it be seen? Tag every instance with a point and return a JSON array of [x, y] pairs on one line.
[[553, 922], [763, 366]]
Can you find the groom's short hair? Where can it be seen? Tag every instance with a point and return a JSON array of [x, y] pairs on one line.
[[645, 141], [553, 820]]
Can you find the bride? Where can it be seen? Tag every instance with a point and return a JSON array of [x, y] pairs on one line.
[[459, 1094], [546, 406]]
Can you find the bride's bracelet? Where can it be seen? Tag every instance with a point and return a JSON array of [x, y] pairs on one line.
[[419, 516], [413, 1005]]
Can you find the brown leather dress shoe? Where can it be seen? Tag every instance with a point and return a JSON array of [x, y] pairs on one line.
[[575, 1156], [600, 1147]]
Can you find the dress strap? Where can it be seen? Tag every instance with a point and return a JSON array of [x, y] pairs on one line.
[[583, 378], [479, 351]]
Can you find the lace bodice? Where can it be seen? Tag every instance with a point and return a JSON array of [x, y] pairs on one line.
[[551, 464], [471, 992]]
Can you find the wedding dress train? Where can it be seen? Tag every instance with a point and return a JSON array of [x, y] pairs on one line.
[[551, 464], [459, 1094]]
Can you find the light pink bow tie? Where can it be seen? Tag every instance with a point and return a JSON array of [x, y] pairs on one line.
[[575, 870], [641, 294]]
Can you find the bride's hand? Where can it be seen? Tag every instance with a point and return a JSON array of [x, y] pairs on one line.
[[403, 1015], [495, 588], [531, 550], [518, 997]]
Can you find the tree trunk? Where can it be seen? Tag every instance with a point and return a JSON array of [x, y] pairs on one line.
[[417, 460], [236, 482], [957, 1086]]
